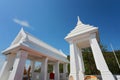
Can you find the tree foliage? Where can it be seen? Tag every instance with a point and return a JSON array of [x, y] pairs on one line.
[[90, 67], [89, 63]]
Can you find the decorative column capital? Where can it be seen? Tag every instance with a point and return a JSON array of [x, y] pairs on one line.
[[93, 35], [21, 53], [45, 59]]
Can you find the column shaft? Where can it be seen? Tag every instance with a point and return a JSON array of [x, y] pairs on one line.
[[73, 58], [57, 73], [18, 67], [7, 66], [76, 63], [81, 64], [44, 69], [99, 59], [65, 68], [53, 68]]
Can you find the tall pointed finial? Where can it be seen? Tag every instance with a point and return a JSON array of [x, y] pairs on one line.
[[22, 29], [79, 22]]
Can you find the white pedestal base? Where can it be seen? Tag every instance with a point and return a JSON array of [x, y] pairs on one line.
[[75, 76], [107, 75]]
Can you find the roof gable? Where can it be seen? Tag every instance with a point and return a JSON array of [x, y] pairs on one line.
[[29, 40], [20, 37]]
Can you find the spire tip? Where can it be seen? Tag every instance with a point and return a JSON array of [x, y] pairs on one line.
[[79, 22]]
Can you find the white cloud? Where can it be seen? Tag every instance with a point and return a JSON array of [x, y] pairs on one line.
[[21, 22]]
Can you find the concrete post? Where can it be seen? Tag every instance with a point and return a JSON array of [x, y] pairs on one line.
[[7, 67], [57, 73], [44, 69], [18, 67], [99, 59], [76, 67]]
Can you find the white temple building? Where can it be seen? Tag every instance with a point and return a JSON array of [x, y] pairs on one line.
[[25, 46], [83, 36]]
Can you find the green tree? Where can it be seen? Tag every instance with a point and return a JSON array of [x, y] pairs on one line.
[[90, 66]]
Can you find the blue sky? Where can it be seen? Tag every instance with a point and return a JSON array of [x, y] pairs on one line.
[[52, 20]]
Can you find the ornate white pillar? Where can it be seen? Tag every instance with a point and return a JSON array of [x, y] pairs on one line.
[[57, 73], [44, 69], [18, 67], [76, 67], [32, 63], [7, 67], [99, 59]]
